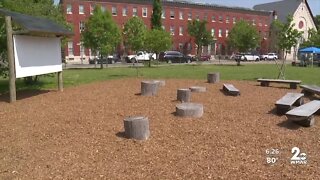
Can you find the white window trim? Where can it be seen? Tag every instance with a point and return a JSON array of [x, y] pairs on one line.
[[172, 30], [82, 9], [124, 11], [180, 31], [116, 11], [172, 17], [146, 9], [180, 15], [134, 13], [69, 6]]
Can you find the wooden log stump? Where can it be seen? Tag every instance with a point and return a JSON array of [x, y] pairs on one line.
[[137, 127], [161, 82], [149, 88], [213, 77], [198, 89], [189, 110], [184, 95]]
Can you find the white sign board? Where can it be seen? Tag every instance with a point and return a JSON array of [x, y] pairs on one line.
[[36, 55]]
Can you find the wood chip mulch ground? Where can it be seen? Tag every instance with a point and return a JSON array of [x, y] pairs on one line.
[[79, 134]]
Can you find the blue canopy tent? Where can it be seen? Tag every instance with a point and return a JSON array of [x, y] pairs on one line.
[[312, 50]]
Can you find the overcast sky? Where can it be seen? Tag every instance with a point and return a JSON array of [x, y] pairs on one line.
[[314, 4]]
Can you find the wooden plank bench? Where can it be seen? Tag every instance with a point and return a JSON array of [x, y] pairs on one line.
[[230, 89], [266, 82], [304, 115], [287, 101], [310, 89]]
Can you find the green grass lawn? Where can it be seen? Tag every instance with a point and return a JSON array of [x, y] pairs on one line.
[[74, 77]]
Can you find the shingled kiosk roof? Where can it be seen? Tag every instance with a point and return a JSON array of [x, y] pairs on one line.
[[36, 25], [283, 8]]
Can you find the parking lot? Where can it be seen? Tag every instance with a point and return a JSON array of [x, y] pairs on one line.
[[76, 65]]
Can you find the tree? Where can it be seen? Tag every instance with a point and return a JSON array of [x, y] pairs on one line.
[[275, 29], [156, 15], [317, 21], [39, 8], [313, 39], [202, 37], [101, 33], [243, 36], [287, 38], [134, 34], [157, 40]]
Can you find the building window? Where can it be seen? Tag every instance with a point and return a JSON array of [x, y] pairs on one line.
[[172, 30], [227, 32], [181, 15], [220, 19], [144, 12], [260, 22], [197, 17], [205, 16], [180, 46], [253, 22], [213, 19], [81, 26], [114, 11], [220, 32], [163, 27], [234, 19], [163, 14], [70, 48], [189, 16], [69, 9], [92, 8], [81, 9], [213, 32], [171, 14], [134, 11], [181, 31], [265, 35], [103, 9], [124, 11], [81, 50], [227, 19]]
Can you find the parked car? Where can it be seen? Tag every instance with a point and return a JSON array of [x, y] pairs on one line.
[[141, 56], [174, 57], [247, 57], [264, 57], [272, 56], [110, 60], [205, 57]]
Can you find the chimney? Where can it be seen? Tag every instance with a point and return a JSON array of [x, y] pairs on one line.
[[274, 14]]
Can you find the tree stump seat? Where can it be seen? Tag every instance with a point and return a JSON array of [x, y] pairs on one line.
[[189, 110], [149, 88], [198, 89], [137, 127], [184, 95], [213, 77]]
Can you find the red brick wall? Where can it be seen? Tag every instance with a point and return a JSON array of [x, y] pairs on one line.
[[75, 19]]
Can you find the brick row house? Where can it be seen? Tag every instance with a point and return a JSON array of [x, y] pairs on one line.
[[175, 17]]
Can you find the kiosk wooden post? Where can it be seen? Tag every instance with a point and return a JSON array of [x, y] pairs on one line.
[[12, 76], [60, 81]]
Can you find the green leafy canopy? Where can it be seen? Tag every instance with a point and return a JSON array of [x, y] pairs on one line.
[[243, 36], [101, 33], [134, 34]]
